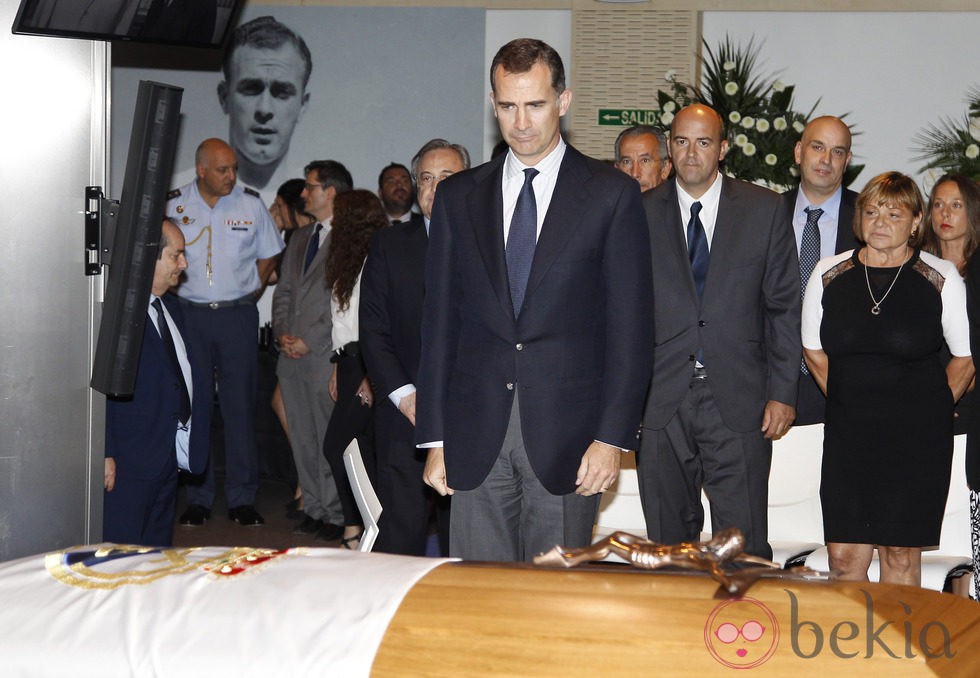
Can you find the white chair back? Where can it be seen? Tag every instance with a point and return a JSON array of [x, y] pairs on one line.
[[364, 494]]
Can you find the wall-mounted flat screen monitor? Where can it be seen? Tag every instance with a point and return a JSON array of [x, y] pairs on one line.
[[194, 23]]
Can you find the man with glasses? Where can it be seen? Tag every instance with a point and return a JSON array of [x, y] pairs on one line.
[[301, 322], [392, 288]]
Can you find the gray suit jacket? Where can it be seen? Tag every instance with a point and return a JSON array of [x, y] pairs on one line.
[[301, 307], [748, 322], [810, 402]]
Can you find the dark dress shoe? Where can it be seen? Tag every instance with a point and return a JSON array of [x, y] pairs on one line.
[[330, 532], [246, 515], [308, 525], [195, 515]]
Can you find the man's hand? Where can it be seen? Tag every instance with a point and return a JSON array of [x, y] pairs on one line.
[[407, 406], [299, 348], [434, 474], [599, 469], [777, 419], [109, 481], [365, 393]]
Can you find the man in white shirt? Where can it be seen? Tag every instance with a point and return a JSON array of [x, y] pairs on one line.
[[726, 302], [162, 426], [821, 212], [536, 326], [301, 323]]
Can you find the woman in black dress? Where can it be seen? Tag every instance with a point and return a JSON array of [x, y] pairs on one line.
[[874, 325]]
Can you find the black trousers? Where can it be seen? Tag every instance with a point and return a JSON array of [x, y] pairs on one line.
[[350, 419]]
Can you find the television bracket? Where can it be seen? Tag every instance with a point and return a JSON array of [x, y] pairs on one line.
[[100, 227]]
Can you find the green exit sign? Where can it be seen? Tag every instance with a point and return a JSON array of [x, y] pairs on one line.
[[626, 117]]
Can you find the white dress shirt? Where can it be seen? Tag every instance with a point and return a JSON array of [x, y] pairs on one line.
[[183, 434], [709, 208]]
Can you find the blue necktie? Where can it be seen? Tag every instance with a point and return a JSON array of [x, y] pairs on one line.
[[809, 255], [314, 245], [697, 248], [521, 240], [697, 252], [168, 342]]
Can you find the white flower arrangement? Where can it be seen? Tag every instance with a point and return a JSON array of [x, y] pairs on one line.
[[951, 146], [759, 110]]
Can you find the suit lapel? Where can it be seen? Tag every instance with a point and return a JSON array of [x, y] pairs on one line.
[[675, 226], [316, 266], [726, 222], [486, 211], [568, 203]]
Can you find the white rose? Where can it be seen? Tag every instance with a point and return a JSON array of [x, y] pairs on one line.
[[666, 118], [731, 88], [771, 159], [670, 106], [779, 124], [670, 75], [748, 122], [778, 86], [972, 151], [729, 66], [734, 117], [975, 128], [762, 125], [741, 140], [798, 126], [748, 149]]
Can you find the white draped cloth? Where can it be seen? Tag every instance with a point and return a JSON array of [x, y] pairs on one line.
[[111, 610]]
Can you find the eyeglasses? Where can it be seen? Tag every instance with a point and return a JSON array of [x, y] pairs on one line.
[[729, 633], [427, 179], [311, 187]]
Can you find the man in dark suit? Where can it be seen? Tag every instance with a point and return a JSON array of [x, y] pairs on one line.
[[821, 212], [163, 425], [392, 289], [727, 342], [536, 326]]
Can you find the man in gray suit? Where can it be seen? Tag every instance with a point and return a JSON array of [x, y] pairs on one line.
[[301, 322], [726, 342], [821, 212]]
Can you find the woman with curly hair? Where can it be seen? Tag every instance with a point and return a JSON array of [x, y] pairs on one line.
[[357, 215]]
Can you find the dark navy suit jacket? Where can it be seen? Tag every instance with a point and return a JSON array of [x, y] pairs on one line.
[[140, 430], [578, 352], [392, 289]]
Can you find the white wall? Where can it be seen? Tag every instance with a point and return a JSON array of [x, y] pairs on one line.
[[51, 423], [895, 72]]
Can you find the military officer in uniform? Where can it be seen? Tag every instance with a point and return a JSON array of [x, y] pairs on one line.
[[231, 248]]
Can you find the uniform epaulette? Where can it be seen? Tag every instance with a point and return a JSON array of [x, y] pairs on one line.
[[252, 191], [175, 193]]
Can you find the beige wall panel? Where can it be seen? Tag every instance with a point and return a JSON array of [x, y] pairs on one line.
[[620, 58]]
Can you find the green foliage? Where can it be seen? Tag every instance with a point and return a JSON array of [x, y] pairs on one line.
[[953, 146]]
